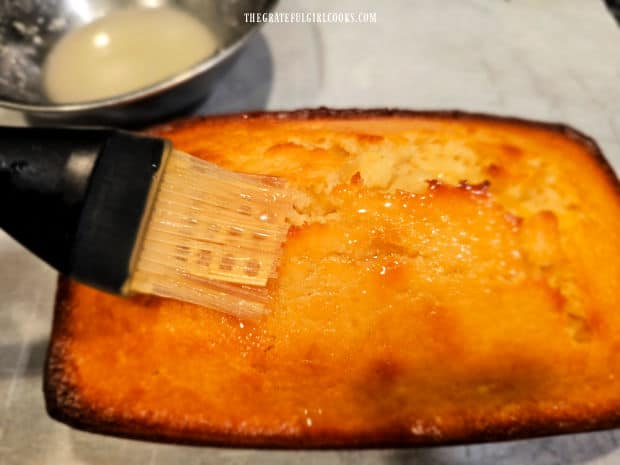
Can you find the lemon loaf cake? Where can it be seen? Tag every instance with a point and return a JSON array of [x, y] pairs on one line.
[[447, 277]]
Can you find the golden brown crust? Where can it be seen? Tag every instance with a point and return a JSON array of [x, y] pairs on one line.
[[324, 112], [98, 377]]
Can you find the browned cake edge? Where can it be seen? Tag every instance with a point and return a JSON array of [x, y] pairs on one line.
[[64, 403], [355, 113]]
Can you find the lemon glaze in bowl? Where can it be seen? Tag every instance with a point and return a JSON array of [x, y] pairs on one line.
[[29, 30]]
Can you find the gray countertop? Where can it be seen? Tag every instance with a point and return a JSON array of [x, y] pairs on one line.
[[554, 60]]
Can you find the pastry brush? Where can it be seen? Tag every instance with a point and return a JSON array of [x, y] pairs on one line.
[[130, 214]]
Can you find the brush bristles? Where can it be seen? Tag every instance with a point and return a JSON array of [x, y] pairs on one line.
[[214, 237]]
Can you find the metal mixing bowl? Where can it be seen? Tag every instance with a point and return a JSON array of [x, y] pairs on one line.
[[29, 29]]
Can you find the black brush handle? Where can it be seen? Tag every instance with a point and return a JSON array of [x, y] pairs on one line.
[[75, 197]]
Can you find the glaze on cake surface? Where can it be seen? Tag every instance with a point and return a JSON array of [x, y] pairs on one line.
[[446, 278]]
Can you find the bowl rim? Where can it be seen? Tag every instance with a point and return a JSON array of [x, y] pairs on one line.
[[150, 90]]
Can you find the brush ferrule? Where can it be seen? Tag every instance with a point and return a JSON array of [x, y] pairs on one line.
[[117, 201], [147, 214]]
